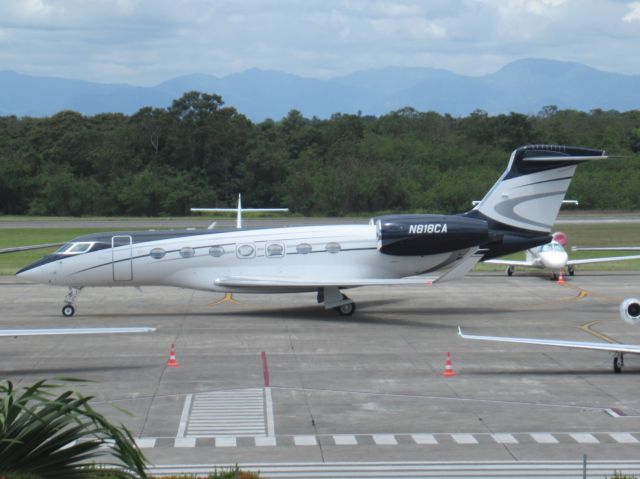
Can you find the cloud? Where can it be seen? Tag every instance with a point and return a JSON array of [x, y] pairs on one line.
[[634, 14], [148, 41]]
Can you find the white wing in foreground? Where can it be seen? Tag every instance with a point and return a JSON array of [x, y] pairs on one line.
[[618, 348], [65, 331]]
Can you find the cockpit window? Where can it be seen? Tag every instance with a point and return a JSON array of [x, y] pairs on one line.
[[551, 247], [75, 248]]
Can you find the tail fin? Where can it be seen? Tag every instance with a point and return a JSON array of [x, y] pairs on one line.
[[529, 194]]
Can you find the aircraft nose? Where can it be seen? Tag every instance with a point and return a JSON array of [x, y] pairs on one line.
[[39, 271], [556, 260]]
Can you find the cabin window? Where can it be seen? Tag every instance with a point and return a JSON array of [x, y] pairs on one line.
[[187, 252], [333, 247], [157, 253], [246, 251], [274, 250], [303, 248], [216, 251]]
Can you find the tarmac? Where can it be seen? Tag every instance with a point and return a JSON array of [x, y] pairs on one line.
[[276, 383]]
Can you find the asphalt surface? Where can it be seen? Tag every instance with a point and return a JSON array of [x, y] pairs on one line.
[[365, 391]]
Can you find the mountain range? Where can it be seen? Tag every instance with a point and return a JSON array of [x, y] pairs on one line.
[[523, 86]]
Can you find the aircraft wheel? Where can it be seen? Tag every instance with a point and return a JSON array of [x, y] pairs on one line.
[[510, 271], [68, 310], [618, 362], [571, 270], [346, 309], [554, 277]]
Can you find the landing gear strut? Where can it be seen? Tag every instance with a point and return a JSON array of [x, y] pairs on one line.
[[509, 270], [334, 299], [618, 362], [69, 308], [571, 270]]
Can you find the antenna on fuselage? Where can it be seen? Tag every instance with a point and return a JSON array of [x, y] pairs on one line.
[[238, 211]]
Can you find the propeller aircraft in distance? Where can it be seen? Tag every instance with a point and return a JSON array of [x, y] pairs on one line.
[[554, 257], [517, 213], [629, 312]]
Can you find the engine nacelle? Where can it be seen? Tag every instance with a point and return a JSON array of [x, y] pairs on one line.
[[419, 235], [630, 311]]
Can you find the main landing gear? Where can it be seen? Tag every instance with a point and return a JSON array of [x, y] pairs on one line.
[[509, 271], [618, 362], [69, 308], [334, 299], [571, 270]]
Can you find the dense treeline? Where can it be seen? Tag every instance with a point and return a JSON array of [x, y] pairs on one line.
[[200, 153]]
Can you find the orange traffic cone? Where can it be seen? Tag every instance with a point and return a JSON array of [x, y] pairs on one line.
[[448, 369], [561, 278], [172, 363]]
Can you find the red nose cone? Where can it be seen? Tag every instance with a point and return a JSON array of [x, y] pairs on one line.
[[561, 238]]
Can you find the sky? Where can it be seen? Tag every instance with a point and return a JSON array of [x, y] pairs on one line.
[[145, 42]]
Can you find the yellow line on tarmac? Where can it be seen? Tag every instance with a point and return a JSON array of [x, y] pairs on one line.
[[228, 298], [587, 328]]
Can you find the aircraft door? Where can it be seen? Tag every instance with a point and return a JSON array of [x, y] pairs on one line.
[[121, 259]]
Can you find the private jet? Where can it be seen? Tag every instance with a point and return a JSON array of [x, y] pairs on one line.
[[517, 213], [554, 257], [629, 312]]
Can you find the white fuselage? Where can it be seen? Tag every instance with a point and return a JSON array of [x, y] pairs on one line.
[[197, 261], [551, 256]]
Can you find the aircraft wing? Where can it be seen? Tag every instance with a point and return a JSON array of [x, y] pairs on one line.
[[27, 248], [63, 331], [509, 262], [612, 347], [286, 282], [462, 267], [602, 260]]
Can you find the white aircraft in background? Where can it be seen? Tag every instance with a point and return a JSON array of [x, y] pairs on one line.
[[554, 257], [629, 312], [516, 214], [238, 211]]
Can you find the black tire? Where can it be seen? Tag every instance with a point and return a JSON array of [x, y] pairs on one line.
[[68, 310], [571, 271], [346, 309], [617, 365], [554, 277], [510, 271]]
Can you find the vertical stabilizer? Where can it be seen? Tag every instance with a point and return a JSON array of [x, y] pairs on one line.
[[529, 194]]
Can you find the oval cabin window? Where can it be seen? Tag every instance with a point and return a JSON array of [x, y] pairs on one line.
[[274, 250], [216, 251], [303, 248], [246, 251], [187, 252], [157, 253], [333, 247]]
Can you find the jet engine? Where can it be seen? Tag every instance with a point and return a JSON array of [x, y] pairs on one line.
[[630, 311], [416, 235], [561, 238]]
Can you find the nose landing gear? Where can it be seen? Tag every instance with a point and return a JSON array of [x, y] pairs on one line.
[[69, 308]]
